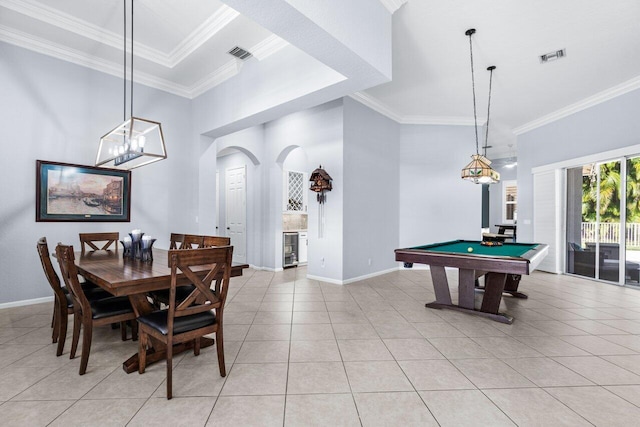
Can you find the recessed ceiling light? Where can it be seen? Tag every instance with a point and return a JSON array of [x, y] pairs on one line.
[[552, 56]]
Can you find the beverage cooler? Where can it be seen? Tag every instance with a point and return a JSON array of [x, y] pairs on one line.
[[290, 249]]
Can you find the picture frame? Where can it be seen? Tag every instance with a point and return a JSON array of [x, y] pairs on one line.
[[80, 193]]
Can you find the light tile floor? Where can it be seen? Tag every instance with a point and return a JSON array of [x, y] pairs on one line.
[[304, 353]]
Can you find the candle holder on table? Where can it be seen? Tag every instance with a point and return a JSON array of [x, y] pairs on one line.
[[146, 248]]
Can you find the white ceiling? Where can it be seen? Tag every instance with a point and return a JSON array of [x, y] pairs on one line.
[[181, 50], [431, 70], [181, 47]]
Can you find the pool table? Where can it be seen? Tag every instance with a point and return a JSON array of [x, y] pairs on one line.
[[502, 267]]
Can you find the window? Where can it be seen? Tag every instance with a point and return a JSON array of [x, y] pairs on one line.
[[510, 199]]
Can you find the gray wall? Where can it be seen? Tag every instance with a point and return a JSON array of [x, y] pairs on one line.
[[252, 141], [495, 196], [319, 131], [611, 125], [53, 110], [435, 204], [371, 190], [311, 137]]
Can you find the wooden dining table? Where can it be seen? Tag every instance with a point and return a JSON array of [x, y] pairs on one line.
[[133, 278]]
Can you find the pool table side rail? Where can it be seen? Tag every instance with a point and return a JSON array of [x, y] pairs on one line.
[[497, 264], [536, 255]]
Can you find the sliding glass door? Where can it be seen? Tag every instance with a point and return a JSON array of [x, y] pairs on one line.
[[632, 222], [603, 221], [593, 220]]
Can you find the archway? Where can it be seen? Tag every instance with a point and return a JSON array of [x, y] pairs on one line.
[[294, 167], [236, 178]]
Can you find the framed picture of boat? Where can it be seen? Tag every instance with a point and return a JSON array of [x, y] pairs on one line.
[[67, 192]]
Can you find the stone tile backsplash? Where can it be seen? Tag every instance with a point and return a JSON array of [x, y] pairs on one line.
[[294, 221]]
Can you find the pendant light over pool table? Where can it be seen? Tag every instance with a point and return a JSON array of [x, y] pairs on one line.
[[479, 170]]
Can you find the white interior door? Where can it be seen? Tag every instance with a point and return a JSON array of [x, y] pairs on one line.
[[236, 202]]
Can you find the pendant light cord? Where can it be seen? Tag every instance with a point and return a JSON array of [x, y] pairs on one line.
[[131, 90], [473, 88], [486, 138], [124, 73]]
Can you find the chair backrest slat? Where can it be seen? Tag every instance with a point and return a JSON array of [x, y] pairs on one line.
[[176, 240], [69, 271], [192, 241], [49, 272], [210, 241], [90, 239], [202, 298]]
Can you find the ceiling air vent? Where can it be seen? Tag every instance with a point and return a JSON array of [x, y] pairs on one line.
[[552, 56], [240, 53]]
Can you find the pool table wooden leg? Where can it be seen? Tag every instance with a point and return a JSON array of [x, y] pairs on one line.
[[494, 285], [511, 286], [440, 285], [466, 288]]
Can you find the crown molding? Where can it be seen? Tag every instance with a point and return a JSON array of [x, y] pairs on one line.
[[387, 111], [376, 105], [262, 50], [43, 13], [598, 98], [54, 17], [57, 51], [393, 5], [201, 34], [221, 74], [441, 120], [268, 47], [46, 47]]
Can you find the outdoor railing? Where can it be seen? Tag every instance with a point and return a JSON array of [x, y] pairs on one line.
[[610, 233]]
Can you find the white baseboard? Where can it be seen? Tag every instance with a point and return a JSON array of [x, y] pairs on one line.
[[255, 267], [368, 276], [26, 302], [352, 280], [325, 279]]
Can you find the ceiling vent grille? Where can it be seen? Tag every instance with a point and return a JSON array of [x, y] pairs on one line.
[[240, 53], [552, 56]]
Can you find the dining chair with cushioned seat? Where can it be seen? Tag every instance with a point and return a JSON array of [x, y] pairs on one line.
[[162, 296], [108, 241], [200, 314], [63, 304], [89, 313]]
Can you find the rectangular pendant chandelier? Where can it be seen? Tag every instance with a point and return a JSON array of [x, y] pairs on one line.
[[136, 142]]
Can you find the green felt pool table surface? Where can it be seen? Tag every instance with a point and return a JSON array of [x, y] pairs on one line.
[[462, 247], [501, 266]]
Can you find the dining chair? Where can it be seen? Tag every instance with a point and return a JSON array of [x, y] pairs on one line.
[[192, 241], [182, 292], [176, 240], [63, 304], [210, 241], [89, 313], [200, 314], [107, 239]]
